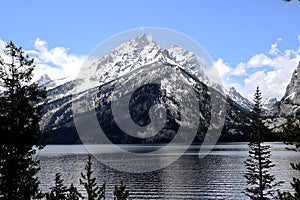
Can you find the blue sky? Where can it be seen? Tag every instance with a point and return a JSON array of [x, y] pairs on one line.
[[238, 35]]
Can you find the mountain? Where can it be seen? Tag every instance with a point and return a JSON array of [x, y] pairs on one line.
[[46, 81], [289, 105], [244, 103], [93, 91], [268, 103], [290, 102], [235, 96], [43, 80], [138, 52]]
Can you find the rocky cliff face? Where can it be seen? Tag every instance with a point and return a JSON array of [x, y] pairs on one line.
[[268, 103], [290, 102], [289, 105], [235, 96]]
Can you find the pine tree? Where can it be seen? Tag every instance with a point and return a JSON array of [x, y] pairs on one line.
[[20, 111], [59, 191], [291, 136], [94, 192], [120, 192], [291, 132], [73, 193], [261, 184]]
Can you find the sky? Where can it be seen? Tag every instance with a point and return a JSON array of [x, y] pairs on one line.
[[252, 42]]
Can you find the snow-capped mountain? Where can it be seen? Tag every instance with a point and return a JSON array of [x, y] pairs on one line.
[[245, 103], [44, 79], [98, 79], [268, 103], [138, 52], [235, 96]]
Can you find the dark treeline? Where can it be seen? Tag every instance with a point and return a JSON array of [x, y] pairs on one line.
[[93, 191]]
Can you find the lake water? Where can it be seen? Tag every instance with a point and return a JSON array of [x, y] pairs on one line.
[[218, 175]]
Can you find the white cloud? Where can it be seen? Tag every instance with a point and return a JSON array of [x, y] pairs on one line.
[[225, 72], [272, 72], [274, 48], [239, 70], [259, 60], [55, 62], [223, 68]]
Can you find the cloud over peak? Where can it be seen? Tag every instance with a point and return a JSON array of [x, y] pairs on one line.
[[271, 71], [57, 62]]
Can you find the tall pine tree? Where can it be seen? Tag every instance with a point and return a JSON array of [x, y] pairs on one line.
[[59, 191], [20, 111], [261, 184], [94, 192]]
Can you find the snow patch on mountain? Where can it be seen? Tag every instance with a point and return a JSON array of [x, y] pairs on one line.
[[43, 80], [268, 103], [135, 54], [290, 102], [122, 62], [235, 96]]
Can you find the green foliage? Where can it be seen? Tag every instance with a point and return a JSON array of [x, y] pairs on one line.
[[59, 191], [120, 192], [260, 182], [291, 132], [257, 126], [21, 103], [291, 136], [73, 193], [94, 192], [20, 111]]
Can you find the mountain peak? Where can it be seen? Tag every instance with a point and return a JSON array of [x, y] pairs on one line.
[[178, 49], [43, 80], [231, 89], [137, 52], [140, 41], [136, 44], [268, 103], [143, 38], [293, 89], [234, 95]]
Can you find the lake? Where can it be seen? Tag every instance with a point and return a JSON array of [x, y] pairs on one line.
[[219, 175]]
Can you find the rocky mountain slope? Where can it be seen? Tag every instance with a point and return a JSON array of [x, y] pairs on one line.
[[100, 78], [289, 105], [268, 103], [235, 96], [290, 102]]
